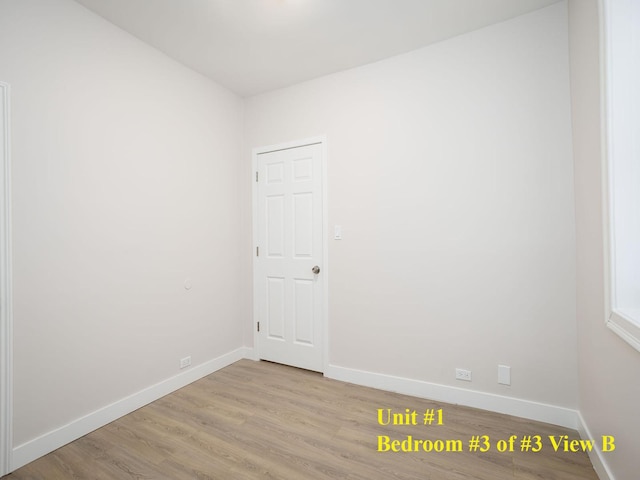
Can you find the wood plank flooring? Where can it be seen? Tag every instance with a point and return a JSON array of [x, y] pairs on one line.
[[259, 420]]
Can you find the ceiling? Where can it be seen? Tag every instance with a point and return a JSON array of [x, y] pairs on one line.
[[253, 46]]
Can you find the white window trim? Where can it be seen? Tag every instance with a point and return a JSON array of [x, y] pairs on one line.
[[6, 317], [617, 321]]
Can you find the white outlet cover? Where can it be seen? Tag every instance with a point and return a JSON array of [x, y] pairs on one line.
[[188, 284], [504, 375], [462, 374], [185, 362]]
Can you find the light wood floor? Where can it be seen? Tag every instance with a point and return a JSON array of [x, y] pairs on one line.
[[259, 420]]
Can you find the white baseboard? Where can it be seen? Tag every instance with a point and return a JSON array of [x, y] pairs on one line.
[[596, 456], [33, 449], [541, 412]]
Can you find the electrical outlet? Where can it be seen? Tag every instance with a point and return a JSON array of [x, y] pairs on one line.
[[504, 375], [185, 362], [462, 374]]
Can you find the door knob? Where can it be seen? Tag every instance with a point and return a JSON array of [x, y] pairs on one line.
[[316, 269]]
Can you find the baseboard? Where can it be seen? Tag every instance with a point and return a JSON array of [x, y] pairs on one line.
[[596, 456], [250, 353], [36, 448], [541, 412]]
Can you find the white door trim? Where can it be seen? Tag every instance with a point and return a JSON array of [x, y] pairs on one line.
[[321, 139], [6, 314]]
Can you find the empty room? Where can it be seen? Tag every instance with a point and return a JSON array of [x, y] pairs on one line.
[[320, 239]]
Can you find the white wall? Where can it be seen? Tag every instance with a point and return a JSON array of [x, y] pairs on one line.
[[450, 171], [609, 367], [125, 171]]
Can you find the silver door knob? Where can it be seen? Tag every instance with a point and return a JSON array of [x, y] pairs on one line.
[[316, 269]]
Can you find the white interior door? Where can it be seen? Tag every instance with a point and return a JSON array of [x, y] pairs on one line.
[[289, 257]]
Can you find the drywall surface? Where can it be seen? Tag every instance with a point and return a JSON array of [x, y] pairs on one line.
[[125, 168], [609, 367], [450, 172]]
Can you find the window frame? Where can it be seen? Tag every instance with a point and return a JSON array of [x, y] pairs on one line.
[[617, 320]]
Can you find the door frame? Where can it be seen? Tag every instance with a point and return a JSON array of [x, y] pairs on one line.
[[322, 140], [6, 310]]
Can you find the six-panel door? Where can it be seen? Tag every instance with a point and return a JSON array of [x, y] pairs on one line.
[[289, 293]]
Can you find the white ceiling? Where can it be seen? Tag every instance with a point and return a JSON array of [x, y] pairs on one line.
[[253, 46]]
